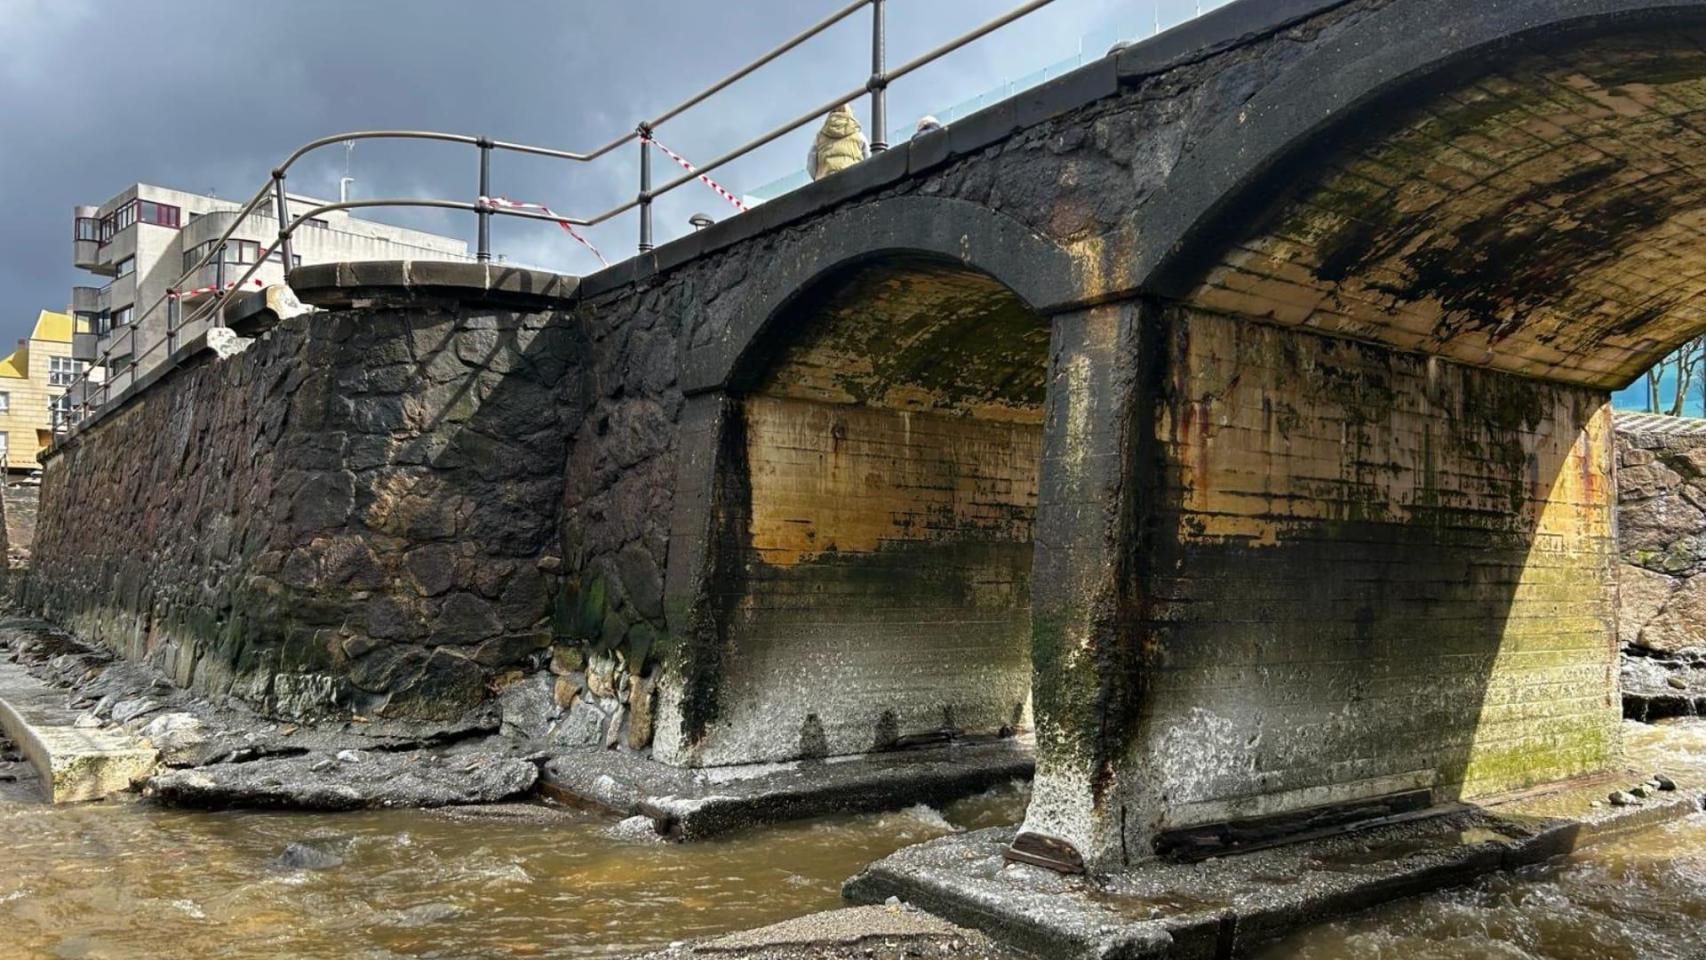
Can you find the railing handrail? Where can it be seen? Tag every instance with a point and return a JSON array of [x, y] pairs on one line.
[[875, 85]]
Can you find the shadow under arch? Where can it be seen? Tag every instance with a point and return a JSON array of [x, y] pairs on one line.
[[861, 570], [1378, 535]]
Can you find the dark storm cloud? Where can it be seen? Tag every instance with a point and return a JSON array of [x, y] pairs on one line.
[[209, 94]]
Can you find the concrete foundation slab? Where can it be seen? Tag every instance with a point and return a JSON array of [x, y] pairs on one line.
[[690, 804], [1223, 907], [855, 933], [74, 762]]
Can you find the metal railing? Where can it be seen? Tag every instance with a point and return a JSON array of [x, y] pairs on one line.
[[85, 390]]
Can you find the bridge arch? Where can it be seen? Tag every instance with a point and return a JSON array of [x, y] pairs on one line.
[[871, 496], [1348, 541], [1038, 271], [1461, 179]]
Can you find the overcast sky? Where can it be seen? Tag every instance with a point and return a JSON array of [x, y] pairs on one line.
[[207, 95]]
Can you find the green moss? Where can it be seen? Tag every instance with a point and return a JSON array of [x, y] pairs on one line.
[[1561, 748]]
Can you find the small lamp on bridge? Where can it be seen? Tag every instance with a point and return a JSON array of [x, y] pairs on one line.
[[700, 220]]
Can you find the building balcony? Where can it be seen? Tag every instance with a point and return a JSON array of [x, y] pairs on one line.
[[86, 239], [85, 346], [87, 299], [120, 342], [86, 255]]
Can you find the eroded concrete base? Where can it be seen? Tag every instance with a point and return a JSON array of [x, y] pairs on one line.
[[855, 933], [1223, 907], [691, 804], [73, 762]]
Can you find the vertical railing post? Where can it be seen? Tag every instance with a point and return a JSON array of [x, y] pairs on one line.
[[878, 83], [645, 188], [283, 209], [483, 252], [172, 314]]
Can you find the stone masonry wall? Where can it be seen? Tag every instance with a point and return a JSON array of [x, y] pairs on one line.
[[356, 514], [22, 501], [1661, 543]]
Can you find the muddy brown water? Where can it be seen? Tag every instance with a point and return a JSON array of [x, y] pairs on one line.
[[129, 880]]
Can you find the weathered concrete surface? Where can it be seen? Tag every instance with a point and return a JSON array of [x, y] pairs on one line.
[[1661, 540], [693, 804], [75, 761], [348, 780], [856, 933], [1226, 907], [886, 458]]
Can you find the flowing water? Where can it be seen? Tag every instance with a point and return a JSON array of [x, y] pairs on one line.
[[129, 880], [1639, 896]]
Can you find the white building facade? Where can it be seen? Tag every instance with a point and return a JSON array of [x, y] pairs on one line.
[[144, 239]]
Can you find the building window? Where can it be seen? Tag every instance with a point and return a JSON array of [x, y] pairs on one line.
[[62, 370], [236, 251], [88, 228], [127, 266], [319, 222], [136, 211], [5, 402], [159, 214], [86, 321], [122, 316]]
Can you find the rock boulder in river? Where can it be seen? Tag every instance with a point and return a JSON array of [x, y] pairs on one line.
[[414, 779], [301, 856]]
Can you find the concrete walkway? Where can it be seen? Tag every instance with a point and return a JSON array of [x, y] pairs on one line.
[[74, 760]]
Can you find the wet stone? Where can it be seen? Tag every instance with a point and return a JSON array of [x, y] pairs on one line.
[[301, 856]]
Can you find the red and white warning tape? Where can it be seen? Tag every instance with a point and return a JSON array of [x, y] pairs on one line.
[[198, 291], [522, 205], [678, 158]]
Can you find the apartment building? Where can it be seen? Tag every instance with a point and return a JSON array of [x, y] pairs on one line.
[[32, 379], [144, 239]]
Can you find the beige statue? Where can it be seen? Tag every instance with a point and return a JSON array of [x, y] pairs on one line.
[[839, 144]]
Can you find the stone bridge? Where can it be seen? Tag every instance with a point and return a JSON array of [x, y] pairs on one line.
[[1232, 413]]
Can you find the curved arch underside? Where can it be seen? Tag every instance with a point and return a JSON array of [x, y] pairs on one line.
[[914, 334], [1546, 218], [888, 462]]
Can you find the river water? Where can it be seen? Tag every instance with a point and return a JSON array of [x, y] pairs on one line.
[[130, 880]]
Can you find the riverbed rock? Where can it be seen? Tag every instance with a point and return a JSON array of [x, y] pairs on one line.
[[581, 726], [127, 710], [1619, 798], [1641, 594], [301, 856], [640, 698], [529, 706], [413, 779], [177, 736]]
